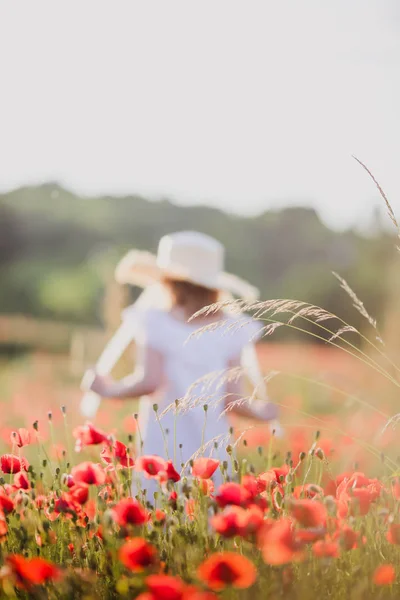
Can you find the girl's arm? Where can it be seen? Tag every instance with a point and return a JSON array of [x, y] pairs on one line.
[[145, 380], [257, 410]]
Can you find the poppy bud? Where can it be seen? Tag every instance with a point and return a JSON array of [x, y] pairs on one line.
[[25, 499], [108, 519], [186, 490], [330, 504]]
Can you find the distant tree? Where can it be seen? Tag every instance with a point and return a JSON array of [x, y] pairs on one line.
[[11, 239], [53, 243]]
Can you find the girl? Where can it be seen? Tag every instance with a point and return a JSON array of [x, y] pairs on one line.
[[185, 374]]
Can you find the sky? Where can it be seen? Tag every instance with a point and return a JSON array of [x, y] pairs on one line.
[[245, 105]]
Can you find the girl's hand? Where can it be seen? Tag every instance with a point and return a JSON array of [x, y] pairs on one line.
[[100, 384], [264, 411]]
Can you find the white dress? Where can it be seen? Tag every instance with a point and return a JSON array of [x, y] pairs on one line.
[[194, 369]]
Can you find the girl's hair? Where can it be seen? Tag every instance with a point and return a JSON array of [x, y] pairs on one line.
[[189, 296]]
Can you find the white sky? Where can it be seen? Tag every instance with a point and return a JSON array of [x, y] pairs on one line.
[[244, 105]]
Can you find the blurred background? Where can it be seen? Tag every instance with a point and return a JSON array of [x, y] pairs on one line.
[[122, 123]]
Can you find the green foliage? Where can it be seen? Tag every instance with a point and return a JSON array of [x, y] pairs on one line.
[[57, 250]]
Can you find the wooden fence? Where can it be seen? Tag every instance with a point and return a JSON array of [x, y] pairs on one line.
[[28, 332]]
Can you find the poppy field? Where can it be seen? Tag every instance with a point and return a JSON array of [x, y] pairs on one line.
[[313, 512]]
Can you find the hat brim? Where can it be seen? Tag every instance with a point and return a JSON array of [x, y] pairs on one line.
[[140, 268]]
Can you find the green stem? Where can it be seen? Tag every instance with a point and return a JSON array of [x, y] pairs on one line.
[[163, 434], [69, 450], [203, 433], [175, 419]]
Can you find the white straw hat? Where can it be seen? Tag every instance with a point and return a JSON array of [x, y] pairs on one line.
[[187, 256]]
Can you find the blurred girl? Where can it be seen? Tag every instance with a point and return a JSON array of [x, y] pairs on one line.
[[186, 414]]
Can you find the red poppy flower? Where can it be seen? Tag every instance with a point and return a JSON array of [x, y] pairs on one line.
[[229, 523], [3, 527], [384, 575], [151, 465], [238, 521], [396, 488], [224, 569], [204, 467], [277, 496], [361, 500], [66, 505], [349, 538], [97, 533], [160, 515], [88, 435], [309, 513], [136, 554], [273, 475], [326, 549], [309, 490], [165, 587], [278, 543], [232, 493], [6, 503], [393, 535], [253, 519], [206, 486], [117, 454], [129, 512], [21, 437], [252, 485], [34, 571], [190, 508], [80, 493], [343, 505], [173, 500], [40, 501], [358, 480], [13, 464], [310, 535], [281, 472], [192, 593], [69, 481], [89, 473], [21, 481], [169, 474]]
